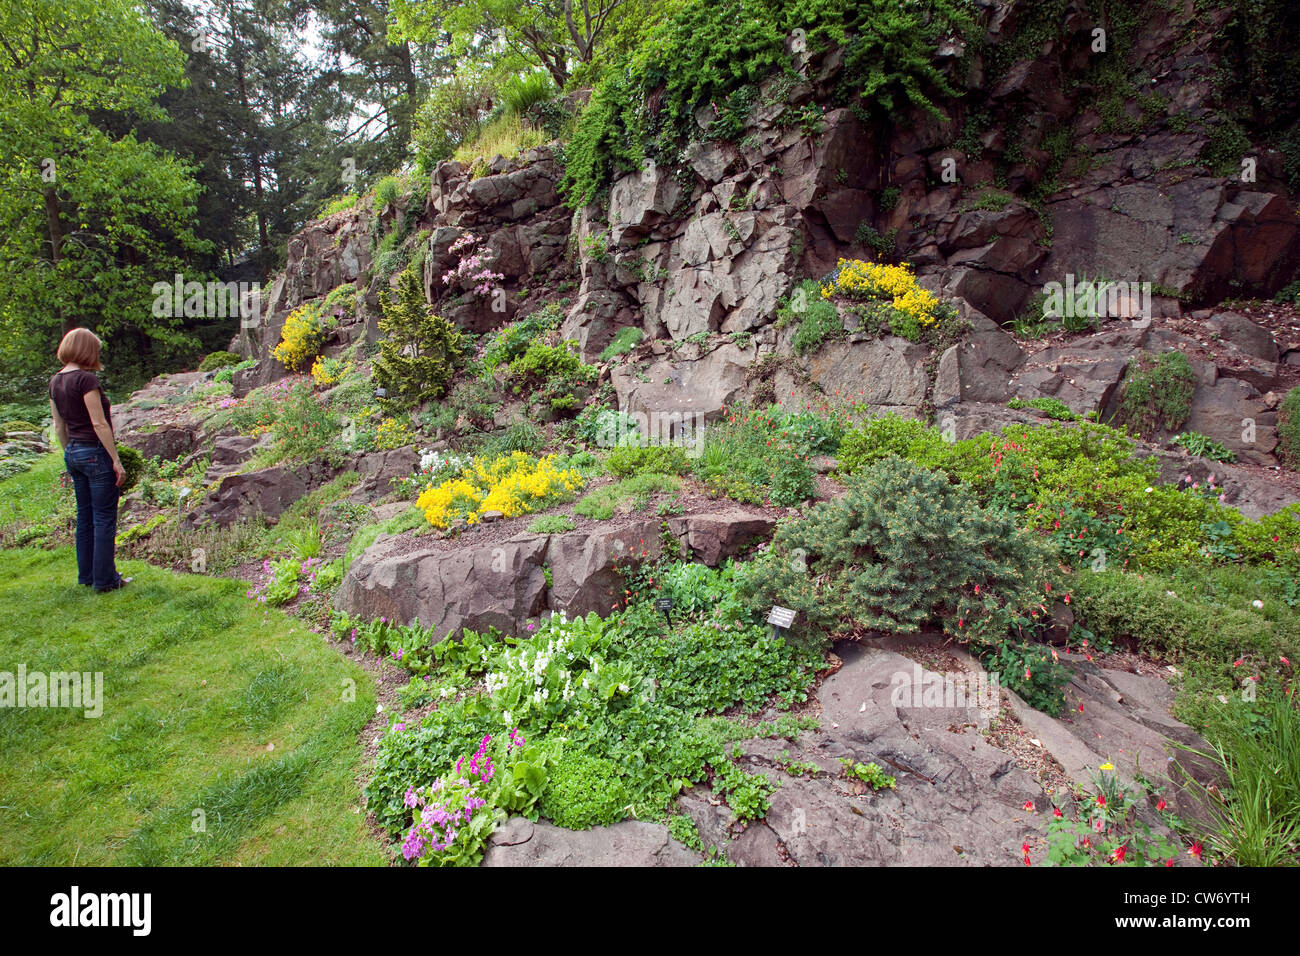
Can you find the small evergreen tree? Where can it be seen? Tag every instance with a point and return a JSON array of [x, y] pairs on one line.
[[903, 549], [419, 351]]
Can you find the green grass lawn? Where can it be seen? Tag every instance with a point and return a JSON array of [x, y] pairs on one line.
[[210, 703]]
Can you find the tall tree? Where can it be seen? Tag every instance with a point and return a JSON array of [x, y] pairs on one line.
[[556, 35], [89, 219]]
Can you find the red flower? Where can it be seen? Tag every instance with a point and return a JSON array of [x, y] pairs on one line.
[[1056, 812], [1119, 854], [1160, 804], [1029, 805], [1169, 862], [1101, 799], [1195, 850]]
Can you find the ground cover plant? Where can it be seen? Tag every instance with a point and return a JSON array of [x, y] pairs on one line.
[[590, 719]]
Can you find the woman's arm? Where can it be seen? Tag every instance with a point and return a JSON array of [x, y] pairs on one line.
[[105, 433], [60, 426]]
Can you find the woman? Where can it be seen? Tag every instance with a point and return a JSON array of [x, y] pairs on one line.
[[84, 427]]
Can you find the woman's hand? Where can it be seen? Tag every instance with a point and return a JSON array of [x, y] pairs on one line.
[[120, 472]]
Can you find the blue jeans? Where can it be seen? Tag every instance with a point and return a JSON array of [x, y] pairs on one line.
[[95, 482]]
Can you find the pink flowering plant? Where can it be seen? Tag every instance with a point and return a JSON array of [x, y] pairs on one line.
[[453, 817], [284, 580], [1112, 827], [474, 273]]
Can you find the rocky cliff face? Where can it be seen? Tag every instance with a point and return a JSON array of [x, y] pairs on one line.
[[1032, 175]]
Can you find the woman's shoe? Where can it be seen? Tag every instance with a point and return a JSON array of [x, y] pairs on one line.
[[121, 583]]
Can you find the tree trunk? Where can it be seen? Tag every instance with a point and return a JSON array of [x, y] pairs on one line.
[[56, 242]]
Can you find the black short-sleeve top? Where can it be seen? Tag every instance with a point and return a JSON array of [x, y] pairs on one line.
[[68, 390]]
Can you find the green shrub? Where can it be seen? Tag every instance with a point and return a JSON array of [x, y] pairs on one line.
[[542, 363], [887, 435], [1273, 539], [522, 92], [584, 791], [419, 351], [216, 360], [337, 205], [1157, 394], [627, 460], [820, 322], [451, 115], [305, 427], [387, 191], [903, 549], [132, 465], [511, 341], [341, 300]]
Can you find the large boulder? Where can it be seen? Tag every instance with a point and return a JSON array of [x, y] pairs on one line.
[[702, 386], [448, 587], [887, 374], [522, 842], [169, 442], [585, 565], [268, 492], [1084, 373], [713, 537]]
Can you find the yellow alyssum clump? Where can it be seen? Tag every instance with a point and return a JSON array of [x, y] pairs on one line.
[[393, 433], [514, 484], [874, 280], [302, 338]]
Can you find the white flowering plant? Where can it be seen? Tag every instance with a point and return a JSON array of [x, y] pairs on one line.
[[556, 675]]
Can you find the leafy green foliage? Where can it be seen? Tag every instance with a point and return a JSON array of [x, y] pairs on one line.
[[584, 791], [132, 464], [1157, 395], [92, 215], [624, 341], [512, 341], [753, 455], [627, 460], [869, 773], [1203, 446], [890, 434], [419, 351], [216, 360], [704, 51]]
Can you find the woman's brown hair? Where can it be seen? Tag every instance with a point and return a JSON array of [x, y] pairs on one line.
[[81, 347]]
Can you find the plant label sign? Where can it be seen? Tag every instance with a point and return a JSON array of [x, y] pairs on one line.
[[781, 617], [665, 605]]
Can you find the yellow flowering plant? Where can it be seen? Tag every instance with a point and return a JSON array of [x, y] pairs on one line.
[[329, 371], [393, 433], [912, 312], [514, 484], [302, 337]]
